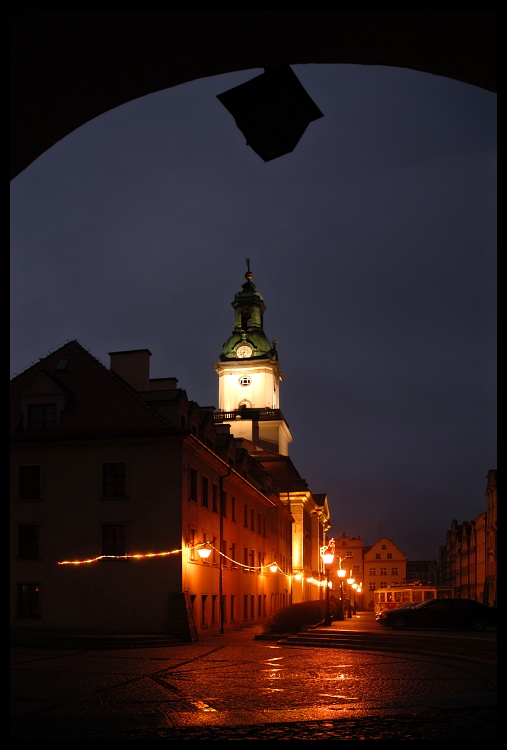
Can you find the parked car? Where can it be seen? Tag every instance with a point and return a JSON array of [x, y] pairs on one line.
[[407, 605], [442, 613]]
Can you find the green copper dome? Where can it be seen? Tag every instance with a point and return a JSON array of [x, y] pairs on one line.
[[249, 308]]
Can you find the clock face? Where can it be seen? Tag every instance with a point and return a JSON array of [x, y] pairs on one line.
[[243, 351]]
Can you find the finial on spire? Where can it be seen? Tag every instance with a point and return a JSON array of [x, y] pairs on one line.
[[248, 274]]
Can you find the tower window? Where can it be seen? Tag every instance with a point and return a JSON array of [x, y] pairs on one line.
[[245, 380]]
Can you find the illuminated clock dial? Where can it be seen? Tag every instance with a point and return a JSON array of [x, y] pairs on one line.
[[243, 351]]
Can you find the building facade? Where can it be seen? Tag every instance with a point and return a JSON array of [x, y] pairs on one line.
[[468, 559], [119, 482], [384, 565]]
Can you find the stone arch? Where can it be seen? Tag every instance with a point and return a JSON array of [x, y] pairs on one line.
[[68, 67]]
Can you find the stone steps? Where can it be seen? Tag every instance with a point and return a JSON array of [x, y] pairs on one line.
[[470, 649]]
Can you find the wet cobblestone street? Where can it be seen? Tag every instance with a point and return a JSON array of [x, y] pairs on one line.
[[235, 687]]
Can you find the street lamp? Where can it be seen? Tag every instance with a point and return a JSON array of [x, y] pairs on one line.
[[341, 575], [327, 554], [350, 581], [272, 111], [205, 551]]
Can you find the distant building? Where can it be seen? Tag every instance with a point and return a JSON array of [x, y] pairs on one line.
[[422, 570], [468, 559], [384, 565]]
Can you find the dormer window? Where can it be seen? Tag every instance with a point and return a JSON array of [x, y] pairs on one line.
[[42, 402], [41, 417]]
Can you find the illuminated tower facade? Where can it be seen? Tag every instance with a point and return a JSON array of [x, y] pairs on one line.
[[249, 376]]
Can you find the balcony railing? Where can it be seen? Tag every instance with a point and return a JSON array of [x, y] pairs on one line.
[[256, 415]]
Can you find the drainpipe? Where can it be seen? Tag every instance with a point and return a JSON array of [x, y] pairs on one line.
[[220, 557]]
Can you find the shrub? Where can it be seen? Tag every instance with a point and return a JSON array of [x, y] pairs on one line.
[[295, 617]]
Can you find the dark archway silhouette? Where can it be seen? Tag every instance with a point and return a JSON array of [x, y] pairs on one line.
[[68, 67]]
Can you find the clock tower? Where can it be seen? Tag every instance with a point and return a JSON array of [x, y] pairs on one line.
[[249, 376]]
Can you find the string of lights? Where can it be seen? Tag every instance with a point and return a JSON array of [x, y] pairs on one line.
[[273, 566]]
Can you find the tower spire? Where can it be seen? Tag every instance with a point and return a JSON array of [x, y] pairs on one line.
[[248, 274]]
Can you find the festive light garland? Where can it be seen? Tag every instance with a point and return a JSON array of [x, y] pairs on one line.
[[145, 555], [120, 557]]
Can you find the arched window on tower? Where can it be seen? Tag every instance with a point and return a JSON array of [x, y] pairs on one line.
[[246, 319]]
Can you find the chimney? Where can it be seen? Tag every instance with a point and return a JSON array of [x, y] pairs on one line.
[[163, 384], [133, 367]]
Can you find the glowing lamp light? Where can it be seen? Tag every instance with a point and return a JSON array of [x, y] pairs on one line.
[[341, 573], [273, 568], [298, 576], [350, 581], [354, 585], [328, 558], [204, 552]]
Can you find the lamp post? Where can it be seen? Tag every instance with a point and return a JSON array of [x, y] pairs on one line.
[[354, 588], [341, 575], [327, 554], [350, 581]]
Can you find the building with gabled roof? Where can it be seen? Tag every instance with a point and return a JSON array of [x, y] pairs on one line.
[[119, 480], [123, 485]]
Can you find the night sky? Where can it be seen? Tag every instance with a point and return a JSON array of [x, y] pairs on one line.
[[373, 245]]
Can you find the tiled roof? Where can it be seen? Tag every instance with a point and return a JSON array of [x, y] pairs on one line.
[[283, 472], [101, 403], [172, 395]]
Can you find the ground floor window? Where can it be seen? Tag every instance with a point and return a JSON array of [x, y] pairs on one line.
[[29, 599]]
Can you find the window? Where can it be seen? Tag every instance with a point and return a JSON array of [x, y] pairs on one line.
[[263, 525], [114, 476], [344, 544], [224, 607], [245, 560], [233, 555], [245, 606], [252, 606], [41, 416], [252, 561], [259, 605], [214, 609], [205, 492], [29, 599], [394, 571], [214, 506], [383, 571], [233, 508], [203, 610], [113, 539], [29, 483], [389, 555], [245, 518], [62, 365], [252, 520], [233, 607], [191, 543], [29, 542], [373, 571], [224, 551], [372, 586], [384, 546], [377, 556], [383, 584], [357, 569], [224, 504], [259, 523], [214, 553], [193, 485], [349, 553]]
